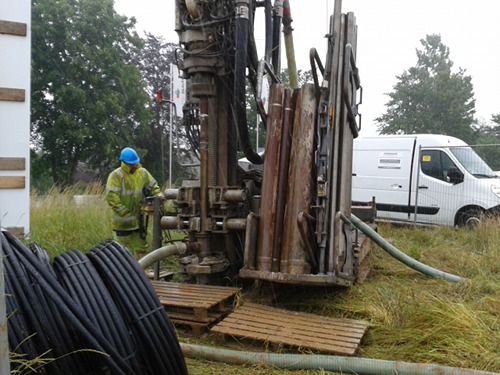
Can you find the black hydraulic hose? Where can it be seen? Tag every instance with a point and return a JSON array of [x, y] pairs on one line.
[[240, 84], [268, 13], [278, 15], [69, 310], [144, 313], [253, 57]]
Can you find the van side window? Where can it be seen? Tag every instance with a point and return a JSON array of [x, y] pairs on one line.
[[436, 163]]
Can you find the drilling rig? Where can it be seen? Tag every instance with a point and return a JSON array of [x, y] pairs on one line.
[[285, 217]]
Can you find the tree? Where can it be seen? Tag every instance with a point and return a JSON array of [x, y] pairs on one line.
[[489, 134], [87, 97], [430, 98], [154, 65]]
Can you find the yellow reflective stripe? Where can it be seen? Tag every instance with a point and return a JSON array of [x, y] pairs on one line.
[[124, 219], [121, 208], [132, 192], [113, 188]]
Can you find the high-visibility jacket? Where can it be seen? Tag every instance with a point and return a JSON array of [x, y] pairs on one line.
[[124, 194]]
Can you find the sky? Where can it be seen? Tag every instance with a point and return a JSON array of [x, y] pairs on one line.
[[389, 33]]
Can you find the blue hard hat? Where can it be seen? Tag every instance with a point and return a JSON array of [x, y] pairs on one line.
[[129, 156]]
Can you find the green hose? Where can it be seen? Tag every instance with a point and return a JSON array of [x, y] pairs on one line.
[[402, 257], [345, 365]]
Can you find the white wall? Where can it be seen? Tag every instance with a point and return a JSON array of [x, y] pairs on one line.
[[15, 56]]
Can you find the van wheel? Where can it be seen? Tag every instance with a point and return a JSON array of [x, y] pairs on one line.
[[470, 217]]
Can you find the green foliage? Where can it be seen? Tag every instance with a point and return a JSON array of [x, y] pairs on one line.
[[154, 65], [40, 179], [430, 98], [87, 97]]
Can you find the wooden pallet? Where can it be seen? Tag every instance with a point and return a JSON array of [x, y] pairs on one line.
[[293, 329], [195, 306]]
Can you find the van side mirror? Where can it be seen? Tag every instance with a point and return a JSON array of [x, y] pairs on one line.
[[455, 176]]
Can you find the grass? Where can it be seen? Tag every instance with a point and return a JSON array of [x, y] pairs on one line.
[[412, 317]]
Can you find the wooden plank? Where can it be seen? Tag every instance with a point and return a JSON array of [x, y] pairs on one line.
[[13, 28], [12, 182], [191, 295], [194, 306], [302, 330], [12, 95], [17, 231], [202, 303], [198, 329], [12, 164], [315, 333]]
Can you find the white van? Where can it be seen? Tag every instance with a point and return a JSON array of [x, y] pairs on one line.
[[423, 178]]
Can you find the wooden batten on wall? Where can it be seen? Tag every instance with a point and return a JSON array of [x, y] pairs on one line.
[[12, 182], [12, 95], [12, 164], [13, 28]]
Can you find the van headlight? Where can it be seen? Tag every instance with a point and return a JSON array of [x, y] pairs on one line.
[[495, 189]]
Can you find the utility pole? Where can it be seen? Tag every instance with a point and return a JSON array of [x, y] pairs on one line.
[[4, 343]]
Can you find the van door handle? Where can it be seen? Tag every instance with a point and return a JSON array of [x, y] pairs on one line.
[[423, 187]]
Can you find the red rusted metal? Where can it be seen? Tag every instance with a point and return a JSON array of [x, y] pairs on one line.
[[270, 192], [286, 141]]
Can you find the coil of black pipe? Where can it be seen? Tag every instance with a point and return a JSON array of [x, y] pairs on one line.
[[94, 313], [142, 311], [78, 276]]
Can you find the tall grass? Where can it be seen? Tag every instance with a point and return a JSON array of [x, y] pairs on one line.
[[412, 317], [61, 220]]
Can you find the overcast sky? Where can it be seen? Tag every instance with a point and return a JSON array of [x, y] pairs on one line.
[[389, 32]]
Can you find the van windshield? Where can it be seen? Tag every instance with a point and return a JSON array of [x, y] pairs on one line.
[[472, 162]]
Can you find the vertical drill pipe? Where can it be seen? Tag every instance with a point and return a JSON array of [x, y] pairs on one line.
[[345, 156], [204, 123], [300, 179], [289, 48], [178, 17], [213, 142], [286, 141], [278, 15], [251, 233], [334, 134], [157, 232], [269, 194]]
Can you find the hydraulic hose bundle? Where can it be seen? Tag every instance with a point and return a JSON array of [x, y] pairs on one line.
[[89, 314]]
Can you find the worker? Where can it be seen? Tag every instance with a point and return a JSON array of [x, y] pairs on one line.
[[126, 191]]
